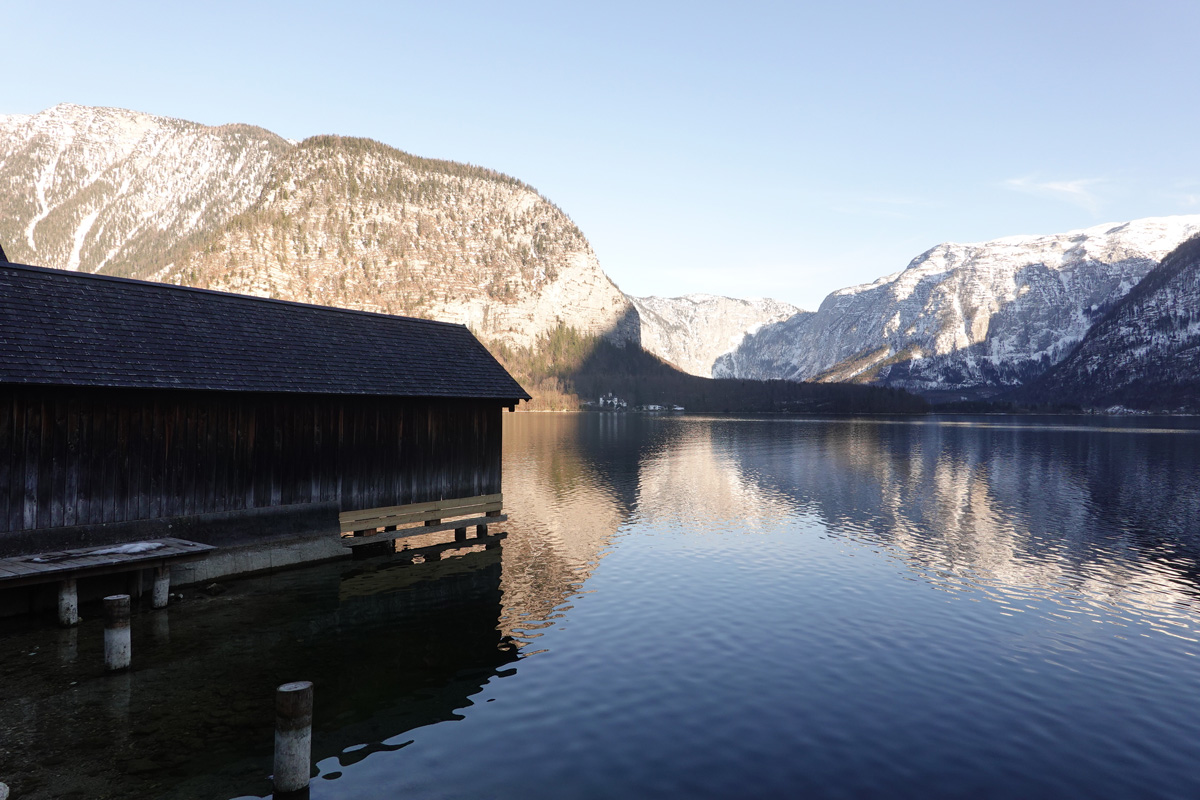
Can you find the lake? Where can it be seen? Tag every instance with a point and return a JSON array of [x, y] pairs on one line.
[[692, 607]]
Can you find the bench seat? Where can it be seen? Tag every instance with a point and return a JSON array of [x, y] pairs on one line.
[[455, 514]]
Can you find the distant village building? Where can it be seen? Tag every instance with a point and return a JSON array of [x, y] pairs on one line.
[[611, 402], [131, 410]]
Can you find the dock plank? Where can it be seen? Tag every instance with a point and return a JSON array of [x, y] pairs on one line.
[[43, 567]]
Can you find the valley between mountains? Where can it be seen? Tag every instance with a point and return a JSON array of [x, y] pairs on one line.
[[1084, 317]]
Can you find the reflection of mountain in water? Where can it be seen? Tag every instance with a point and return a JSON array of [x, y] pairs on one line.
[[695, 480], [388, 648], [573, 480], [1107, 512]]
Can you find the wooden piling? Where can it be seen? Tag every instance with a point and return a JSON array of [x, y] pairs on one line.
[[68, 603], [117, 645], [293, 736], [162, 586], [460, 534]]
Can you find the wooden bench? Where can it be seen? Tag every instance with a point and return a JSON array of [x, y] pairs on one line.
[[421, 518], [67, 566]]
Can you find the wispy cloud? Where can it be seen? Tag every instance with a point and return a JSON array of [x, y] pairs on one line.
[[1189, 200], [1081, 192], [897, 206]]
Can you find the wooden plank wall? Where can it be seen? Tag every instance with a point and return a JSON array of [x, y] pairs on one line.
[[81, 457]]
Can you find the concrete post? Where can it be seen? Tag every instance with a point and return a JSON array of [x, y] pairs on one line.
[[68, 603], [162, 586], [293, 736], [117, 648]]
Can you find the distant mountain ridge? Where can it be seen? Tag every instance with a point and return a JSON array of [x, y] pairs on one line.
[[693, 331], [977, 319], [329, 220], [355, 223]]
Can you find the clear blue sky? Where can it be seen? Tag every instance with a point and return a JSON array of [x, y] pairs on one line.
[[747, 149]]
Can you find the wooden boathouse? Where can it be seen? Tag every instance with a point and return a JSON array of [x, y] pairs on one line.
[[132, 410]]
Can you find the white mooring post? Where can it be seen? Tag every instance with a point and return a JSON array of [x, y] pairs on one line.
[[68, 603], [162, 586], [117, 648], [293, 736]]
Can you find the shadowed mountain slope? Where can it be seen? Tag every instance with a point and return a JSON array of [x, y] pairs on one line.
[[1144, 353]]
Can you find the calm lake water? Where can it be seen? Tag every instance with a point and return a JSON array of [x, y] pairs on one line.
[[693, 607]]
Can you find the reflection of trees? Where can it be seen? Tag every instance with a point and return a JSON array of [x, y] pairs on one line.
[[1102, 511], [566, 491]]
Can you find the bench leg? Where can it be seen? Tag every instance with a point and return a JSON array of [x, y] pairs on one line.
[[162, 586], [68, 603]]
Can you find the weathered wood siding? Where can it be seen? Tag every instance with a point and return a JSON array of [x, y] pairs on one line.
[[84, 456]]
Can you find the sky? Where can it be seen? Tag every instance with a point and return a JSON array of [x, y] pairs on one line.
[[745, 149]]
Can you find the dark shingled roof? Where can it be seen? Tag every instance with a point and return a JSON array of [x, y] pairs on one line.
[[71, 329]]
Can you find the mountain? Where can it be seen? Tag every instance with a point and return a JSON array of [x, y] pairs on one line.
[[335, 221], [1144, 353], [329, 220], [692, 331], [974, 319], [104, 189]]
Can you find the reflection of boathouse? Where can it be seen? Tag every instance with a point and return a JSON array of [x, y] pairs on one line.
[[132, 410]]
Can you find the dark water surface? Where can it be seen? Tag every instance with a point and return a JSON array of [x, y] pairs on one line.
[[693, 607]]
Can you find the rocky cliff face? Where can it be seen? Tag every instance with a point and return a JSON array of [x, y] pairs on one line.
[[691, 332], [965, 317], [1144, 353], [351, 222], [329, 220]]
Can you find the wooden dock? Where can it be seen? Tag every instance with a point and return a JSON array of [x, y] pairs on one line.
[[89, 561]]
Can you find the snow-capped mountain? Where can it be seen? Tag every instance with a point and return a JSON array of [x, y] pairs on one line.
[[1144, 353], [967, 317], [329, 220], [692, 331]]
